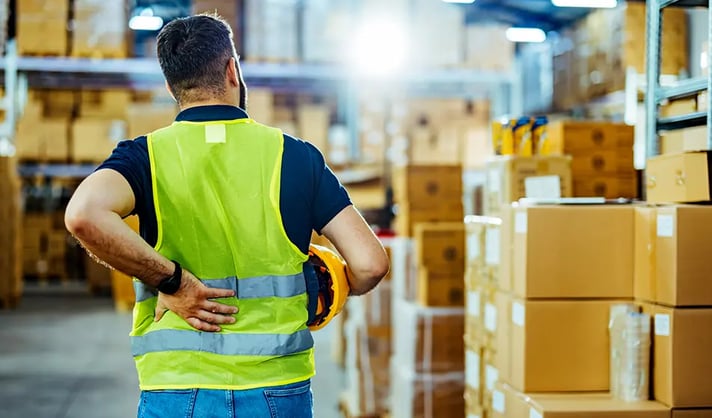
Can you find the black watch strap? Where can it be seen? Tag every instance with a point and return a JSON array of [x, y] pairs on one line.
[[171, 284]]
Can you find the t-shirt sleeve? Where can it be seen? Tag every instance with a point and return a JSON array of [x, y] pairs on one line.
[[130, 159], [330, 196]]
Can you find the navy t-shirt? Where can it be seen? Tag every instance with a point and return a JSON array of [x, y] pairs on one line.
[[311, 195]]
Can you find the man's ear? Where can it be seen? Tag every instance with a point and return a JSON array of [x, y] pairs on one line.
[[168, 88], [232, 76]]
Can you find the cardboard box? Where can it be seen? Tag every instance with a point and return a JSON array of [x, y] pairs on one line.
[[40, 35], [692, 413], [645, 242], [260, 103], [682, 367], [407, 216], [572, 137], [428, 186], [99, 29], [42, 139], [440, 246], [94, 139], [421, 396], [597, 162], [592, 405], [684, 140], [573, 251], [611, 186], [507, 402], [437, 288], [105, 104], [678, 178], [420, 334], [681, 270], [559, 346], [430, 146], [505, 182], [313, 125]]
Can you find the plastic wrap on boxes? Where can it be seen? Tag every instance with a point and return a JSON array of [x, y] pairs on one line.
[[99, 28], [630, 353], [427, 395], [429, 340]]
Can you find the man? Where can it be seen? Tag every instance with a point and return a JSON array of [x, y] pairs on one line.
[[226, 209]]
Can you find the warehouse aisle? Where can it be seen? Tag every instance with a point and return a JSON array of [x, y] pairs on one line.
[[68, 356]]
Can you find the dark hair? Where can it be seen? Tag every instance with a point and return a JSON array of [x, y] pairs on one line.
[[193, 53]]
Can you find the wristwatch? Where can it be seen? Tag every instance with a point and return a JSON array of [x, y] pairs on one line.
[[171, 284]]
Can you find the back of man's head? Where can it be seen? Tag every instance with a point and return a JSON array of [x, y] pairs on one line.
[[193, 53]]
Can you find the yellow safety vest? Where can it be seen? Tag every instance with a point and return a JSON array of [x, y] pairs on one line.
[[216, 189]]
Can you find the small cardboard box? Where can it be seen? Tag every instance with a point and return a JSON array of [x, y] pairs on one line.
[[684, 236], [612, 161], [440, 288], [440, 246], [678, 178], [94, 139], [428, 186], [682, 366], [559, 346], [573, 251], [567, 137], [611, 186]]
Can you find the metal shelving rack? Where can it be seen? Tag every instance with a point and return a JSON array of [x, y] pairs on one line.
[[140, 73], [655, 94]]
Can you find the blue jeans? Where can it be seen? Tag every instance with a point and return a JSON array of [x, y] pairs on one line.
[[288, 401]]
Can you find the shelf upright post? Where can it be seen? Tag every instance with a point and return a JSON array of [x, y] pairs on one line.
[[652, 76]]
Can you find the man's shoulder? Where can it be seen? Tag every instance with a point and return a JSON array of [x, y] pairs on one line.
[[299, 149]]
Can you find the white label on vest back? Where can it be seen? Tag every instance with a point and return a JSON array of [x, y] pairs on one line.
[[518, 314], [492, 256], [473, 303], [662, 325], [491, 377], [498, 401], [666, 225], [215, 133], [520, 223], [533, 413], [490, 317]]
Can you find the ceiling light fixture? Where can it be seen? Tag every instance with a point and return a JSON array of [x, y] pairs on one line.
[[534, 35], [589, 4]]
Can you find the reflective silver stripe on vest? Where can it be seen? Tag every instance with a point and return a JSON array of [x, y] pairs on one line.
[[238, 344], [248, 288]]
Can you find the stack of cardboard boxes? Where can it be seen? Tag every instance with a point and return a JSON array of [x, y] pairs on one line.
[[272, 26], [10, 234], [592, 58], [99, 29], [42, 27], [44, 246], [368, 333], [602, 157]]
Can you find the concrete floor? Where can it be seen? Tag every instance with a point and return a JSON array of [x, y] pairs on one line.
[[66, 354]]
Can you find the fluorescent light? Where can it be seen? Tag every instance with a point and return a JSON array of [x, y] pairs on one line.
[[591, 4], [526, 35], [460, 1], [379, 48], [146, 22]]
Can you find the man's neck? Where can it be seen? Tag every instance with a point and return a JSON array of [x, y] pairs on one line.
[[213, 102]]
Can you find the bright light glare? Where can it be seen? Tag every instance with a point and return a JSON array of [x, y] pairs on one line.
[[460, 1], [591, 4], [379, 48], [142, 22], [526, 35]]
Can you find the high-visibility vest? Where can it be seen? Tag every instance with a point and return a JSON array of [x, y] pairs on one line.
[[216, 189]]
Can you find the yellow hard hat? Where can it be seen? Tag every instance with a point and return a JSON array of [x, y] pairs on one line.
[[331, 275]]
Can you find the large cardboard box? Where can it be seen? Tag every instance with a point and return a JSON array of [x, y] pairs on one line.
[[43, 139], [572, 137], [692, 413], [428, 186], [99, 29], [644, 265], [559, 346], [684, 140], [592, 405], [437, 288], [609, 186], [678, 178], [506, 175], [407, 216], [599, 162], [684, 234], [94, 139], [573, 251], [440, 246], [427, 395], [106, 104], [682, 366]]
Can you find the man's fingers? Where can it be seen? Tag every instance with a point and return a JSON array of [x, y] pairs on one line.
[[215, 318], [202, 325], [220, 308], [212, 293]]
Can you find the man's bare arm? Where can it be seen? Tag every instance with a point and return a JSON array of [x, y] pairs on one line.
[[94, 217], [360, 247]]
